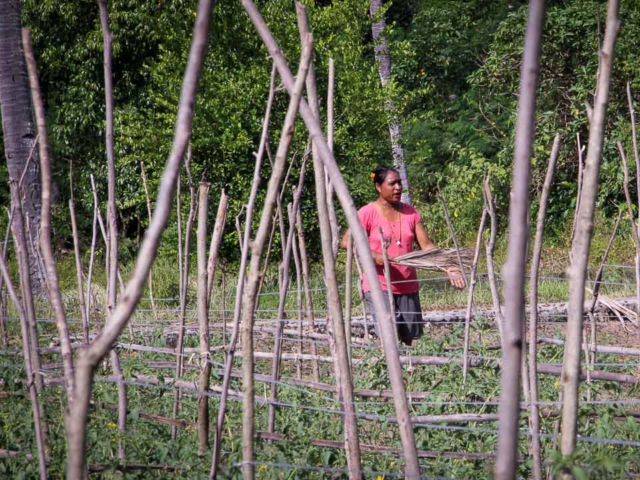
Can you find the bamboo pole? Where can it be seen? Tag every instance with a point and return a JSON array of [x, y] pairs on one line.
[[45, 218], [514, 269], [412, 469], [89, 358], [242, 272], [203, 318], [533, 308], [582, 240], [249, 296], [33, 393], [471, 288]]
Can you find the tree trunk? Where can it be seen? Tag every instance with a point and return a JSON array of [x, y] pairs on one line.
[[19, 131], [381, 51]]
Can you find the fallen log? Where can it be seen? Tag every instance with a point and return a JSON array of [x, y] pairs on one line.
[[596, 348]]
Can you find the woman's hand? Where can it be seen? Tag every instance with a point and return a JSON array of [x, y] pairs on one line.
[[455, 277], [378, 258]]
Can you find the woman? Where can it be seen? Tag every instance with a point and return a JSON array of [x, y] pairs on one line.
[[402, 228]]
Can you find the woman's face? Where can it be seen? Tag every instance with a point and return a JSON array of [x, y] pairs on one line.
[[391, 189]]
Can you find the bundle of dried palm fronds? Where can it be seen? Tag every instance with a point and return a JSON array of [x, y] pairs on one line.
[[434, 259]]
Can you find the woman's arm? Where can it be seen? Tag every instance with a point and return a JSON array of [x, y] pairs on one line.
[[423, 239], [377, 257], [425, 243]]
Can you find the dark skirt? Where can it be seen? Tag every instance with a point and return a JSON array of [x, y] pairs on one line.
[[409, 321]]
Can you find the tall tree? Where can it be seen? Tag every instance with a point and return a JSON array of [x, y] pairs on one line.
[[381, 50], [18, 128]]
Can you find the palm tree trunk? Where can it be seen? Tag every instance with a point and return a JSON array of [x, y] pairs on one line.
[[19, 131]]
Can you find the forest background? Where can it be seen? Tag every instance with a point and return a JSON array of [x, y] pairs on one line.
[[455, 70]]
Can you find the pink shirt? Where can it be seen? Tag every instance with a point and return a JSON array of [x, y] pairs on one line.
[[403, 231]]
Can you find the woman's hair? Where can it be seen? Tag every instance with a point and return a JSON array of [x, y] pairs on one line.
[[380, 173]]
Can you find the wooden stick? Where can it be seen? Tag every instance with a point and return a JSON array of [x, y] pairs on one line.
[[514, 269], [304, 260], [216, 241], [634, 226], [92, 252], [184, 281], [249, 296], [298, 266], [179, 224], [634, 137], [89, 359], [3, 303], [387, 279], [33, 393], [389, 450], [31, 336], [244, 245], [333, 219], [362, 299], [580, 177], [203, 319], [412, 468], [112, 284], [582, 240], [452, 232], [5, 247], [348, 294], [45, 218], [341, 365], [489, 205], [284, 286], [143, 174], [533, 306], [471, 287], [79, 272], [275, 225]]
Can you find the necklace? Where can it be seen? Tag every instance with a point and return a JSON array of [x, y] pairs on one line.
[[399, 237]]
